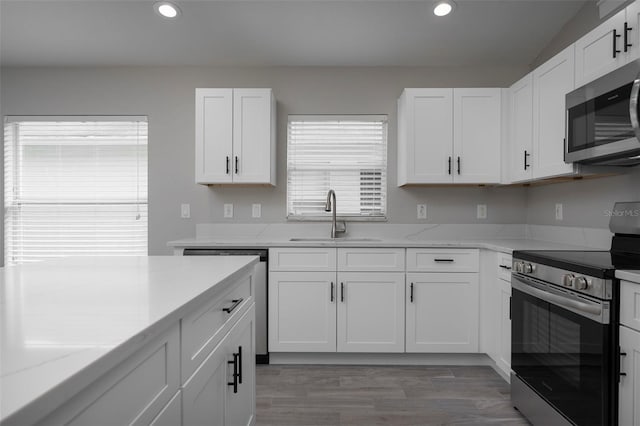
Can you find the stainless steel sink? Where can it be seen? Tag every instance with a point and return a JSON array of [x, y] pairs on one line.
[[335, 240]]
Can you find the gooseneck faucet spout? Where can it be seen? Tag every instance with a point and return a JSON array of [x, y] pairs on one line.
[[331, 207]]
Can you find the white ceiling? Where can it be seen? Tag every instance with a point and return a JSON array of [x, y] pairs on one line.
[[279, 33]]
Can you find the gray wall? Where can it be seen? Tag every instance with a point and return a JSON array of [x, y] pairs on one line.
[[166, 96]]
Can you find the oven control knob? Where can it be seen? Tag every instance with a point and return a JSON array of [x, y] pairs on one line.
[[580, 283], [568, 279], [528, 268], [517, 266]]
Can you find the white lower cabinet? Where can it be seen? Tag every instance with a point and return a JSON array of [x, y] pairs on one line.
[[370, 312], [171, 414], [629, 396], [222, 389], [442, 312], [302, 312]]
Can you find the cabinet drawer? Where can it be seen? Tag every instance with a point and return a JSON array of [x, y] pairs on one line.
[[203, 328], [302, 259], [371, 259], [630, 304], [442, 260], [504, 266], [133, 393]]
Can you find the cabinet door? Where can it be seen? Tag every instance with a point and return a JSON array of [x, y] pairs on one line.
[[302, 311], [240, 405], [252, 132], [629, 408], [371, 312], [171, 414], [214, 118], [521, 129], [504, 352], [551, 82], [203, 395], [476, 135], [442, 315], [633, 34], [594, 51], [426, 136]]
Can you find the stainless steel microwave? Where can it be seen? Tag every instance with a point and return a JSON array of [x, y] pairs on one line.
[[602, 120]]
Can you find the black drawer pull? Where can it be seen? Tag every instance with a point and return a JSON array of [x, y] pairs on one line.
[[239, 364], [236, 303], [235, 373], [505, 267], [615, 43], [443, 260], [627, 45]]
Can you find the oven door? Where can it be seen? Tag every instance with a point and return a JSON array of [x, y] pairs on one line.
[[561, 347]]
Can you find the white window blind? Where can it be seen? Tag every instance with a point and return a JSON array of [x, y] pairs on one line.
[[75, 187], [345, 153]]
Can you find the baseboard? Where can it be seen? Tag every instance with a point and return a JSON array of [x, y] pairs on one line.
[[379, 359]]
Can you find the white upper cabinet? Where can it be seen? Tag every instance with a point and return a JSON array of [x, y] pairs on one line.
[[520, 142], [476, 135], [235, 136], [449, 136], [425, 136], [612, 44], [551, 83]]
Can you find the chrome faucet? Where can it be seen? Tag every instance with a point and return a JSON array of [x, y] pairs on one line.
[[331, 207]]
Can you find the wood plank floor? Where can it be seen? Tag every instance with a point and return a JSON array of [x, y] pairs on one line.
[[304, 395]]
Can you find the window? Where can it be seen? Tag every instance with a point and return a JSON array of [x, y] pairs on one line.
[[345, 153], [74, 187]]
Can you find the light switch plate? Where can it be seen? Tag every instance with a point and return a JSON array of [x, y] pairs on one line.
[[185, 211], [256, 210], [559, 211], [422, 211], [481, 212], [228, 210]]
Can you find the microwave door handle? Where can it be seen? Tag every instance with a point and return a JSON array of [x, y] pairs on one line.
[[633, 106]]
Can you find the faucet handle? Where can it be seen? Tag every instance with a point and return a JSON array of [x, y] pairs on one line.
[[341, 227]]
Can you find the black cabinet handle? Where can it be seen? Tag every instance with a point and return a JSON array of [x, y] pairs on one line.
[[227, 164], [235, 373], [443, 260], [509, 308], [342, 292], [526, 155], [239, 364], [449, 165], [458, 165], [615, 43], [332, 291], [411, 293], [627, 45], [236, 164], [236, 303], [505, 267]]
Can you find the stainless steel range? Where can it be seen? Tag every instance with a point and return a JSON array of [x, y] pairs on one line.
[[565, 354]]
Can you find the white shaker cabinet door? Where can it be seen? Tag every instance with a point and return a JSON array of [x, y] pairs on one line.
[[214, 135], [442, 312], [551, 82], [594, 51], [302, 311], [476, 135], [241, 398], [425, 136], [521, 129], [371, 312], [629, 396], [253, 140]]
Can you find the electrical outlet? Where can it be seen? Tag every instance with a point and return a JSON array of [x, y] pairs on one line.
[[481, 212], [185, 211], [558, 211], [228, 210], [256, 210], [422, 211]]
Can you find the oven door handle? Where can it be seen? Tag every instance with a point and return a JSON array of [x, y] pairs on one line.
[[633, 106], [593, 311]]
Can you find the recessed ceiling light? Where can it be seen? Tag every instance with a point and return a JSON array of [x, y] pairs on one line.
[[166, 9], [444, 7]]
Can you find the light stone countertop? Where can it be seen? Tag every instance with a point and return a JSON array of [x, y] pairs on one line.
[[499, 245], [633, 276], [65, 323]]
